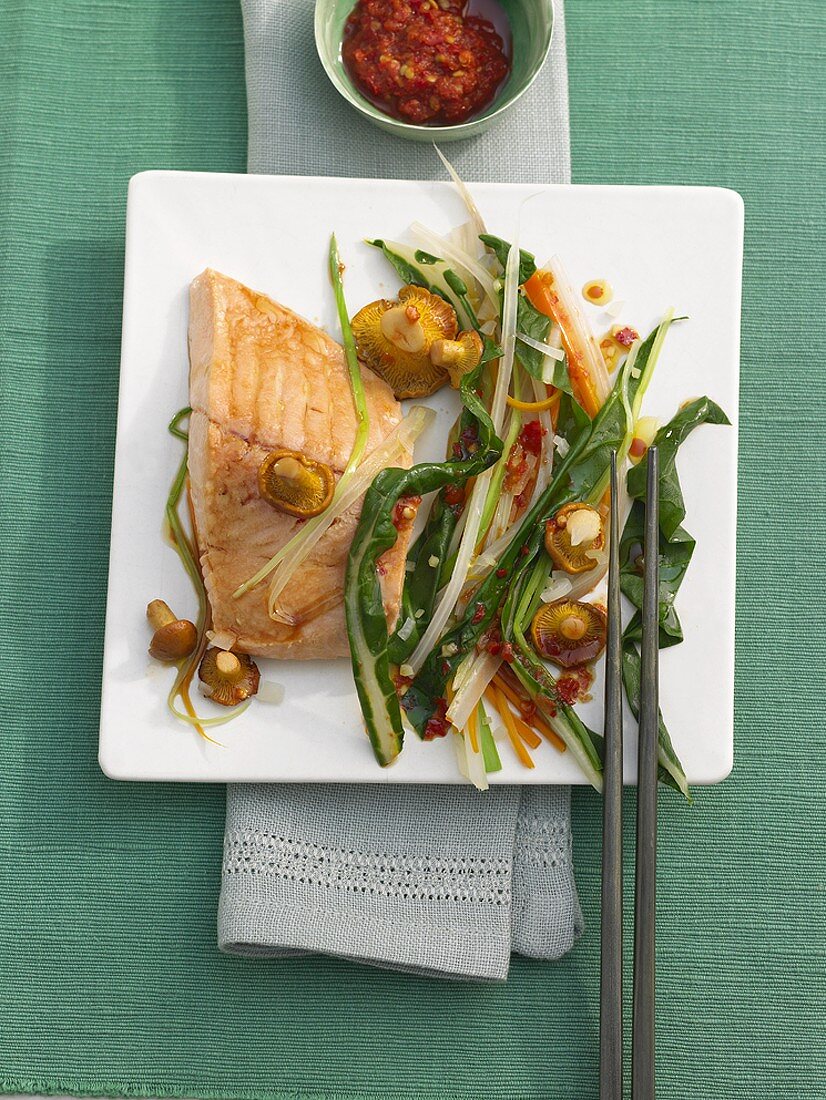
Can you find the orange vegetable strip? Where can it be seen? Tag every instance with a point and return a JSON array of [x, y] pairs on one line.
[[510, 726], [471, 729], [529, 736], [536, 721], [542, 296], [535, 406]]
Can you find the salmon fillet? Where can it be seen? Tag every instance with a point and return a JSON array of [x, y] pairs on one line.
[[263, 378]]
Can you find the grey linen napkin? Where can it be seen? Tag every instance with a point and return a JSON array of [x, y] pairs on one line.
[[431, 880]]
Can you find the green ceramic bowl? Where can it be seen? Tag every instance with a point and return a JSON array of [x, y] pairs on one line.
[[531, 23]]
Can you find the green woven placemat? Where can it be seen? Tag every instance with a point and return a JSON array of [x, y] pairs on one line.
[[110, 981]]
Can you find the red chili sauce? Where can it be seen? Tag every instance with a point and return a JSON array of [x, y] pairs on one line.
[[424, 61]]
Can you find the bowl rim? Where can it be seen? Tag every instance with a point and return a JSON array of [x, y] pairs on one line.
[[356, 100]]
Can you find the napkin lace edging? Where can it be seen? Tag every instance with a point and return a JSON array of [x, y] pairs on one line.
[[423, 878]]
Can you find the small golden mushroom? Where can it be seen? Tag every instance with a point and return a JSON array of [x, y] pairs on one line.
[[231, 677], [295, 484], [459, 357], [394, 340], [569, 632], [174, 638], [572, 535]]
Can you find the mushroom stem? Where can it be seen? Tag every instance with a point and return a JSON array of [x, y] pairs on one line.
[[572, 627], [227, 663], [159, 614]]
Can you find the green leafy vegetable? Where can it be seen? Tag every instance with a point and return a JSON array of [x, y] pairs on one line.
[[528, 318], [668, 440], [577, 477], [675, 555], [676, 547], [418, 268], [536, 325], [500, 249], [478, 448], [670, 769]]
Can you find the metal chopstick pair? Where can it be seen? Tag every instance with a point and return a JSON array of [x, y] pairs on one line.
[[642, 1050]]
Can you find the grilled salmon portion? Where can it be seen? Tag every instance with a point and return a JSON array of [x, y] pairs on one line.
[[261, 379]]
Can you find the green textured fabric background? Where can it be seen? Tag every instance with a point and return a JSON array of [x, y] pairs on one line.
[[110, 981]]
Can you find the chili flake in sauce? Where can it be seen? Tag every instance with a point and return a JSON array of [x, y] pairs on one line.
[[424, 61]]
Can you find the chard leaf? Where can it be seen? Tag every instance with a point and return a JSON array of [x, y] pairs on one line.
[[676, 547], [440, 280], [500, 248], [675, 555], [561, 379], [536, 325], [580, 475], [572, 420], [407, 272], [375, 533], [668, 441], [670, 769]]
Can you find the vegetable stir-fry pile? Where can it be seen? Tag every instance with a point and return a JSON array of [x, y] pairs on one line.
[[498, 609]]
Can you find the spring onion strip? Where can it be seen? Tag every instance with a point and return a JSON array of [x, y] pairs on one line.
[[483, 667], [490, 753], [470, 535], [398, 444], [645, 378], [494, 497], [578, 335], [496, 549], [353, 366], [185, 548], [472, 209], [209, 723], [457, 256], [547, 349], [362, 417], [180, 538], [546, 458]]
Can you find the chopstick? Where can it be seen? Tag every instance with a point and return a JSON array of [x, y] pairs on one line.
[[642, 1056], [610, 1032], [642, 1051]]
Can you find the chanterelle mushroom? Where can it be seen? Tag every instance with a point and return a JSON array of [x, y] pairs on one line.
[[231, 677], [395, 338], [458, 356], [573, 535], [295, 484], [569, 632], [174, 638]]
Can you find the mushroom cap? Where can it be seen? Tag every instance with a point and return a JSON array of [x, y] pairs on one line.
[[567, 555], [174, 641], [295, 484], [569, 632], [232, 683], [408, 373]]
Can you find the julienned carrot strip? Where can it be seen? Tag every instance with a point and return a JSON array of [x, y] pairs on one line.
[[529, 736], [507, 691], [536, 721], [510, 726], [471, 729], [535, 406], [549, 734]]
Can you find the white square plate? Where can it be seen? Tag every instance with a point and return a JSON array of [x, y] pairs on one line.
[[658, 246]]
